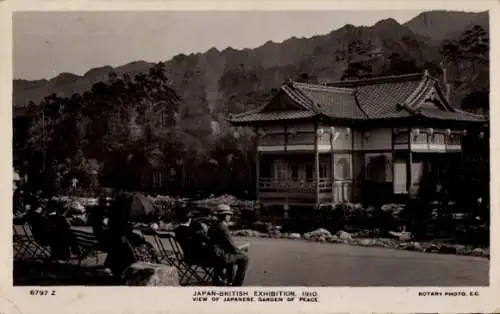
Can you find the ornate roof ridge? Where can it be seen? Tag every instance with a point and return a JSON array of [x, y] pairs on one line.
[[421, 89], [378, 80], [326, 88]]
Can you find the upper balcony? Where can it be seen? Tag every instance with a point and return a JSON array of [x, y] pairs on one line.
[[429, 140]]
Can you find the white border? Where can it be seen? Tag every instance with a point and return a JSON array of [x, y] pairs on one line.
[[178, 300]]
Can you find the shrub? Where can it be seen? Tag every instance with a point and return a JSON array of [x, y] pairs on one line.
[[263, 227]]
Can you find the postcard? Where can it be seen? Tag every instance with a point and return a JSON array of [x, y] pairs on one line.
[[220, 156]]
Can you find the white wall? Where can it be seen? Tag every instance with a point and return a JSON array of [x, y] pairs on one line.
[[378, 139], [343, 139]]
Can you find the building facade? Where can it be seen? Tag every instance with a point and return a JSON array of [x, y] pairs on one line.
[[352, 141]]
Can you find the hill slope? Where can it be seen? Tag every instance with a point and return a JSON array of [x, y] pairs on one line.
[[234, 80]]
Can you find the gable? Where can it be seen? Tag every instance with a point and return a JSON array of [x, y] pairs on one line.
[[434, 99], [282, 102]]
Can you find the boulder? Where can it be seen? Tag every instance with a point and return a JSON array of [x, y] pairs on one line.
[[385, 242], [367, 242], [433, 248], [480, 252], [147, 274], [462, 249], [361, 234], [334, 239], [275, 234], [415, 246], [445, 249], [320, 239], [402, 236], [344, 236], [294, 236]]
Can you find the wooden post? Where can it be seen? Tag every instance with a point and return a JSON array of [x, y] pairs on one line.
[[408, 165], [316, 163], [392, 160], [332, 165], [257, 165]]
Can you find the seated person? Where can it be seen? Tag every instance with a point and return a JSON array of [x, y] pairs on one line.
[[39, 225], [192, 237], [125, 247], [227, 252], [62, 242]]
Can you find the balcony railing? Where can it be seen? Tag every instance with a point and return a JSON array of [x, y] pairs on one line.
[[437, 141], [309, 185], [305, 185]]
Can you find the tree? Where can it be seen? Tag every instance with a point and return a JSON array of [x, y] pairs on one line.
[[357, 70], [397, 65]]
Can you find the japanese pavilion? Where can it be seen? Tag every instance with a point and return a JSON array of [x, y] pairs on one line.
[[333, 143]]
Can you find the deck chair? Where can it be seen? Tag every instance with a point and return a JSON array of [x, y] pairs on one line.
[[26, 246], [171, 253], [88, 245]]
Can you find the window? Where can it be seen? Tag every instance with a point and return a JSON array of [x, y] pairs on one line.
[[400, 177], [343, 167], [400, 136], [157, 179]]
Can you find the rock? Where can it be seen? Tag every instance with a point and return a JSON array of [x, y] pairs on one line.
[[334, 239], [433, 248], [447, 250], [480, 252], [246, 233], [275, 234], [146, 274], [294, 236], [417, 247], [402, 236], [462, 249], [366, 242], [345, 236], [384, 242], [361, 234]]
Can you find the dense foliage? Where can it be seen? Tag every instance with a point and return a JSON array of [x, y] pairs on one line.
[[124, 129]]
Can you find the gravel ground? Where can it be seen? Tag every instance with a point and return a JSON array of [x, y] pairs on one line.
[[283, 262]]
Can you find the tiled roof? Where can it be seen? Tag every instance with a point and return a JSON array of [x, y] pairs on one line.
[[380, 98], [450, 115], [331, 101], [314, 100], [273, 116]]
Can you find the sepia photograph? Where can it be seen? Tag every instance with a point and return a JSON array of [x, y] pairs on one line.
[[324, 148]]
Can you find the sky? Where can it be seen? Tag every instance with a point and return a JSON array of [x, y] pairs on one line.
[[48, 43]]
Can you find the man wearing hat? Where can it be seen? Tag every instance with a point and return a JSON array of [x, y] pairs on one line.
[[225, 248]]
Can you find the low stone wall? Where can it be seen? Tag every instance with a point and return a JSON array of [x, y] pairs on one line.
[[147, 274], [342, 237]]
